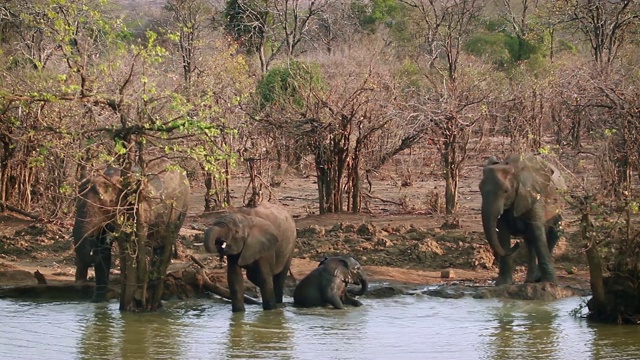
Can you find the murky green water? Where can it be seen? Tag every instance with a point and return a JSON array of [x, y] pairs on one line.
[[406, 327]]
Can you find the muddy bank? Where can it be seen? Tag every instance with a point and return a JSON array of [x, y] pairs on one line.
[[399, 257]]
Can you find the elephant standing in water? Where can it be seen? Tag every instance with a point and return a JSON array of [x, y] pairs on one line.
[[259, 239], [327, 284], [166, 197], [519, 198]]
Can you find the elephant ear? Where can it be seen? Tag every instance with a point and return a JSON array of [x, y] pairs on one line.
[[261, 239], [533, 181], [343, 271]]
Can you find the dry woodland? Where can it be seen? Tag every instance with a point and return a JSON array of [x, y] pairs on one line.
[[369, 120]]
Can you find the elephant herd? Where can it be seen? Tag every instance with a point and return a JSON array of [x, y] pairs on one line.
[[519, 198]]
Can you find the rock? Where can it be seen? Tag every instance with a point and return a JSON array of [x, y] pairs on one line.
[[386, 292], [538, 291], [447, 274], [383, 242], [447, 292], [427, 250], [367, 230], [313, 231]]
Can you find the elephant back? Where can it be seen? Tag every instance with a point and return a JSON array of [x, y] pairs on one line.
[[283, 223], [168, 192]]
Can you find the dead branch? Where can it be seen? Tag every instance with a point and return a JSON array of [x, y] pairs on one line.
[[20, 211], [215, 288]]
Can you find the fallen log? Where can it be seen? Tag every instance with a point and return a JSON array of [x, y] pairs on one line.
[[20, 211]]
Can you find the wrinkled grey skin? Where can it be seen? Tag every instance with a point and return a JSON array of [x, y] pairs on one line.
[[519, 198], [164, 210], [261, 241], [327, 284]]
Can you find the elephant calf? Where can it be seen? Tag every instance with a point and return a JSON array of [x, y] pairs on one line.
[[327, 284]]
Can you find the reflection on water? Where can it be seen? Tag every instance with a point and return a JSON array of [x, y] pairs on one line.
[[411, 327], [259, 335], [522, 326]]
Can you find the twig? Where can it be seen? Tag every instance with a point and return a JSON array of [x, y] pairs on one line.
[[381, 199]]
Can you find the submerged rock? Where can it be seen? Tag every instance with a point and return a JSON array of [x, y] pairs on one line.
[[535, 291]]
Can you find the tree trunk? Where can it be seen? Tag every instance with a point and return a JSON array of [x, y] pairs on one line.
[[597, 304]]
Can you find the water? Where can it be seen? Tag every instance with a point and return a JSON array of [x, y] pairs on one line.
[[407, 327]]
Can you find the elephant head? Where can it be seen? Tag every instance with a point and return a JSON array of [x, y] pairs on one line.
[[349, 270], [96, 203], [237, 234], [517, 184]]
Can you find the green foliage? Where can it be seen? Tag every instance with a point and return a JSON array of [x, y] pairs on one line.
[[392, 14], [288, 84], [491, 45]]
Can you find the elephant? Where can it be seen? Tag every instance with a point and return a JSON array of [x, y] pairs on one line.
[[327, 284], [520, 198], [164, 208], [259, 239]]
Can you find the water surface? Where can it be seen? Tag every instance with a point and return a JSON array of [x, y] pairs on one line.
[[407, 327]]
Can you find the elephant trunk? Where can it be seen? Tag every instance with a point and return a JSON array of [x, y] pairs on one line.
[[490, 214], [209, 240], [364, 284]]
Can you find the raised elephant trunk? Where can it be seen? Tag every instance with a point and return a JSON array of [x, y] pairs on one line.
[[490, 214]]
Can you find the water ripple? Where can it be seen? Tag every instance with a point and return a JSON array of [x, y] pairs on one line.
[[410, 327]]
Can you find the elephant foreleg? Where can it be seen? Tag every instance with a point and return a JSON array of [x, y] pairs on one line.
[[505, 266], [236, 286], [351, 301], [102, 255], [334, 300]]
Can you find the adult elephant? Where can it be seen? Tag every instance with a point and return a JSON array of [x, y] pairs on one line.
[[327, 284], [166, 196], [259, 239], [519, 198]]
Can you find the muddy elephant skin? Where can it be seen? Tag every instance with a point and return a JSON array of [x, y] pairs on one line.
[[164, 209], [327, 284], [520, 197], [260, 240]]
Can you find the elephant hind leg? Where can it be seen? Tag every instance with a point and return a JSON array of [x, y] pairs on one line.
[[279, 281], [533, 273]]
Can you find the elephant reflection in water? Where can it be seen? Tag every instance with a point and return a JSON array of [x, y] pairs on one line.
[[99, 337], [523, 330], [112, 334], [260, 335]]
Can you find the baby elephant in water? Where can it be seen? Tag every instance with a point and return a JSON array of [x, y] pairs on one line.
[[327, 284]]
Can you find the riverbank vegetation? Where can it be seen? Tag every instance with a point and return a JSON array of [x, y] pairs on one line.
[[336, 90]]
